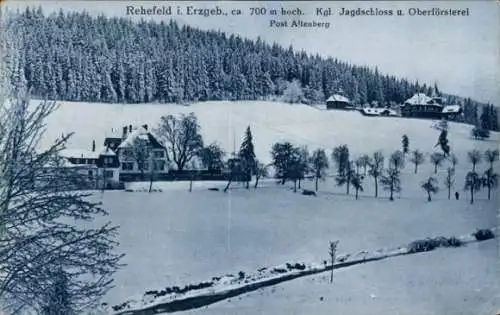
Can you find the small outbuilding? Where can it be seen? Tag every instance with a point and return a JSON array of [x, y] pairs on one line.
[[338, 101]]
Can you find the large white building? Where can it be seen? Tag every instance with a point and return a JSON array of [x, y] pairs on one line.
[[133, 156], [141, 155]]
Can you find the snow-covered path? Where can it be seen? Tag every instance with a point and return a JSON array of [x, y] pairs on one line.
[[448, 281]]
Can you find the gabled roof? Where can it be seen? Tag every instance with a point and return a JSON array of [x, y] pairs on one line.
[[419, 99], [338, 98], [140, 133]]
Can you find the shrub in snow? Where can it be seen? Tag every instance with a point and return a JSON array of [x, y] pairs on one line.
[[297, 266], [442, 241], [241, 275], [213, 189], [120, 307], [422, 245], [279, 270], [454, 242], [483, 234], [306, 192], [432, 243], [480, 133]]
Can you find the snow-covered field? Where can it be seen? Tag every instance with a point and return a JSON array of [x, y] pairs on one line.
[[175, 237], [448, 281]]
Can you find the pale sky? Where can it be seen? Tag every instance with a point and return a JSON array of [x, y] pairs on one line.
[[461, 54]]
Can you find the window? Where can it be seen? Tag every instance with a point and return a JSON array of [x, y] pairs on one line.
[[159, 165], [127, 166], [159, 154], [108, 174], [108, 160], [127, 152], [91, 173], [145, 166]]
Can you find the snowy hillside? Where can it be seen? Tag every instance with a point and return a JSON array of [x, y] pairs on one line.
[[270, 122], [177, 238]]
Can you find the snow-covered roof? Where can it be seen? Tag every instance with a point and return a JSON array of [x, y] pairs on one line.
[[61, 163], [106, 152], [138, 133], [79, 154], [338, 98], [452, 109], [418, 99]]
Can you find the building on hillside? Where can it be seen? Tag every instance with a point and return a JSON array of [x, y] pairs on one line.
[[423, 106], [338, 101], [101, 168], [141, 155], [134, 155], [452, 112]]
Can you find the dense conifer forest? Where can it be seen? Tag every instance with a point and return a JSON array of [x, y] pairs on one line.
[[79, 57]]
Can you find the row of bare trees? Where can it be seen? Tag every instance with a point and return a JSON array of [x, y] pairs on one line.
[[296, 163]]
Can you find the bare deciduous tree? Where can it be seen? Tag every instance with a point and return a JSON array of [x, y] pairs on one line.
[[391, 182], [319, 164], [38, 211], [473, 184], [364, 161], [417, 158], [491, 156], [474, 157], [260, 171], [430, 186], [490, 180], [357, 183], [397, 160], [453, 160], [376, 168], [437, 159], [332, 251], [181, 136], [449, 181], [236, 171]]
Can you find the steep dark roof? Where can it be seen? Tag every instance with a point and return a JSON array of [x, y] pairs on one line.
[[112, 142]]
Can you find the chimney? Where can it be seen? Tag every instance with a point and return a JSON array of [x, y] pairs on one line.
[[129, 128], [124, 134], [93, 145], [145, 127]]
